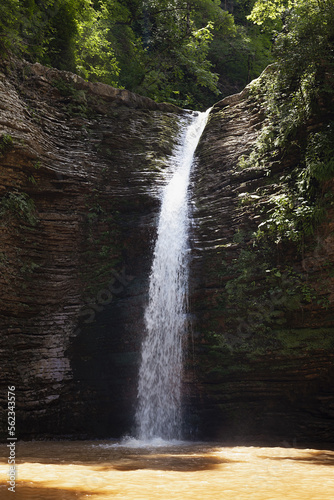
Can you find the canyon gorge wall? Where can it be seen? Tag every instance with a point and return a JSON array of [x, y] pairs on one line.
[[263, 336], [81, 169]]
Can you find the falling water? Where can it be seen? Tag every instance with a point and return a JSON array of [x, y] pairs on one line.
[[160, 376]]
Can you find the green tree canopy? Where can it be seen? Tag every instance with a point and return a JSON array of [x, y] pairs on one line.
[[182, 51]]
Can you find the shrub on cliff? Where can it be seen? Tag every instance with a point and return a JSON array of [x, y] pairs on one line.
[[298, 95]]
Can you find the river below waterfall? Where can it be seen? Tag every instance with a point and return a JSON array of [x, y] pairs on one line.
[[105, 470]]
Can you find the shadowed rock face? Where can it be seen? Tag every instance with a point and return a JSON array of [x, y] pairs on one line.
[[81, 169], [254, 384], [75, 264]]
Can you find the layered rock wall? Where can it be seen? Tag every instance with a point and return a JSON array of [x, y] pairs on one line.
[[81, 169], [82, 165], [263, 349]]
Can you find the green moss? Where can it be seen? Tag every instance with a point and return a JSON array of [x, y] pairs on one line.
[[78, 99], [66, 89], [306, 338], [6, 144], [28, 268], [102, 248], [3, 259], [258, 298]]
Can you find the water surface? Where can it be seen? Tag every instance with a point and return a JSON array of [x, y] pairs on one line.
[[101, 470]]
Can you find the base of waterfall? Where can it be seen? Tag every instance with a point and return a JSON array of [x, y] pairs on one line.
[[69, 470], [131, 442]]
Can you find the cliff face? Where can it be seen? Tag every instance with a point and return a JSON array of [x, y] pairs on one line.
[[81, 168], [263, 314]]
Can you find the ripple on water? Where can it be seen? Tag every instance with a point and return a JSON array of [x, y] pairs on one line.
[[129, 470]]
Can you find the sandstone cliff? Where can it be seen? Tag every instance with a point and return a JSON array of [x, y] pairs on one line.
[[263, 343], [81, 169]]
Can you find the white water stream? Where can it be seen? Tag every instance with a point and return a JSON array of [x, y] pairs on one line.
[[160, 376]]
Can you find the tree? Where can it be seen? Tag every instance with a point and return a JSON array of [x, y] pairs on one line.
[[94, 55], [170, 45], [239, 51], [182, 51], [9, 15], [42, 30], [268, 13]]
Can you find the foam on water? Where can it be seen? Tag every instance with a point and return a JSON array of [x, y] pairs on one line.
[[131, 442]]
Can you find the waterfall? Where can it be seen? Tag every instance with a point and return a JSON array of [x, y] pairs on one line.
[[160, 376]]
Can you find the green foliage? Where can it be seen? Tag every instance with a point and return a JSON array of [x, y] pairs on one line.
[[239, 54], [268, 13], [260, 296], [185, 52], [6, 143], [319, 157], [8, 21], [176, 73], [296, 93], [304, 47], [32, 179], [59, 32], [291, 218], [94, 56], [40, 30], [20, 206], [292, 91]]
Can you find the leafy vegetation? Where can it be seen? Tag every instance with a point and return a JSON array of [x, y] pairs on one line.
[[268, 284], [297, 94], [186, 52], [20, 206], [6, 144], [261, 295]]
